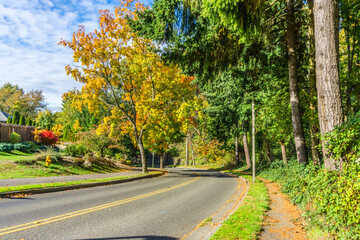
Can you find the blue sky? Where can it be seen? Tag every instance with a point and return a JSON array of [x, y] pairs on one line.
[[29, 33]]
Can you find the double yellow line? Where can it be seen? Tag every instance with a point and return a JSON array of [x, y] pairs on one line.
[[41, 222]]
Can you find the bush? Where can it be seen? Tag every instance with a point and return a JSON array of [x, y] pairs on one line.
[[331, 199], [15, 137], [45, 137], [6, 147], [343, 142], [74, 150], [42, 154], [24, 147]]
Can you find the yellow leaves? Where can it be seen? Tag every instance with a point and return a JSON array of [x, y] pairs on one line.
[[77, 127]]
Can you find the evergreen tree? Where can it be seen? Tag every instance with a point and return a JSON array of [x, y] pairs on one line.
[[22, 120], [28, 121], [16, 117], [9, 120]]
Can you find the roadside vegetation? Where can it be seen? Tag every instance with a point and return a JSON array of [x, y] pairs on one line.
[[246, 222], [68, 183], [170, 99]]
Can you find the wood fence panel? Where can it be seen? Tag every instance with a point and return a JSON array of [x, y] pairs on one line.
[[26, 132]]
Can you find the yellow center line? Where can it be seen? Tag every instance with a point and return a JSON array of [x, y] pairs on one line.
[[41, 222]]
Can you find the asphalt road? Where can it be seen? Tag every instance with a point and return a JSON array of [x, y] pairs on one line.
[[167, 207]]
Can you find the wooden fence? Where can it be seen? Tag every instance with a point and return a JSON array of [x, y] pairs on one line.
[[26, 132]]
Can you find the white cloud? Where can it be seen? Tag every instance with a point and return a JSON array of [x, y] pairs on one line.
[[29, 33]]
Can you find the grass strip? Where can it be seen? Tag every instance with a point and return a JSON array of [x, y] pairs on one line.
[[246, 222], [70, 183]]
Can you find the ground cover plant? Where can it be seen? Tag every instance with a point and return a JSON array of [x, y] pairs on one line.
[[330, 199]]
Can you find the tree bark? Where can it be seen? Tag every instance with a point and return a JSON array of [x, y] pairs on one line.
[[294, 89], [142, 155], [162, 160], [327, 74], [236, 151], [187, 151], [192, 154], [246, 151], [314, 129], [283, 152], [268, 150]]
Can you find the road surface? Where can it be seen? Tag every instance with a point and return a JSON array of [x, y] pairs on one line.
[[167, 207]]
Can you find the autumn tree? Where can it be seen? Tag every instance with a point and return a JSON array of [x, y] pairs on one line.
[[121, 73]]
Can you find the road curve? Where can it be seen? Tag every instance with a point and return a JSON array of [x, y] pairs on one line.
[[167, 207]]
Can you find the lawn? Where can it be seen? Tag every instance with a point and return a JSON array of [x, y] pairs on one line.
[[23, 165]]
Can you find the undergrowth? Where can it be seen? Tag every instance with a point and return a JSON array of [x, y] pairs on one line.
[[330, 199]]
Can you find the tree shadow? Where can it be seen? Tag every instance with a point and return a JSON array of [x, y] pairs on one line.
[[146, 237]]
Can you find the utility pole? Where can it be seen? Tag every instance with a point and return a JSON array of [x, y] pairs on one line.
[[253, 138]]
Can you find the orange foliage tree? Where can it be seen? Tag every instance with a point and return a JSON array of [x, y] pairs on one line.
[[122, 74]]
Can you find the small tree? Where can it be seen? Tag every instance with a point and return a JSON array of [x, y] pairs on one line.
[[16, 117], [28, 121], [96, 141], [9, 120], [22, 120]]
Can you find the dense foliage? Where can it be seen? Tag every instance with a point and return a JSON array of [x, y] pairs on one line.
[[331, 199]]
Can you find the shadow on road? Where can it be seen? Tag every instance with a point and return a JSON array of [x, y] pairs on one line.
[[148, 237]]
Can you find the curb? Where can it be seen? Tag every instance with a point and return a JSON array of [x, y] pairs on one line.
[[73, 187]]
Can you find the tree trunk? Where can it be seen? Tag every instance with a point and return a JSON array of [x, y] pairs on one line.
[[187, 150], [152, 159], [327, 74], [142, 155], [294, 90], [283, 152], [314, 129], [192, 154], [236, 151], [246, 151], [253, 138], [268, 150], [162, 160]]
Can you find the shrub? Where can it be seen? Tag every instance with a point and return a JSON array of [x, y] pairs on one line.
[[6, 147], [42, 154], [24, 147], [15, 137], [331, 199], [74, 150], [81, 150], [343, 141], [28, 121], [45, 137]]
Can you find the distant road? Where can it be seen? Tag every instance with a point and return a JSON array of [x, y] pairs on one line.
[[163, 208]]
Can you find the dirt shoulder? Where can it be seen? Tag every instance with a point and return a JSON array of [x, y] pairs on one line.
[[284, 219]]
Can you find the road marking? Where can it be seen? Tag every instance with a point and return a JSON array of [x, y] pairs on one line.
[[41, 222]]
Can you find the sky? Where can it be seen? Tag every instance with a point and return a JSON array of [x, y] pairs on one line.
[[29, 34]]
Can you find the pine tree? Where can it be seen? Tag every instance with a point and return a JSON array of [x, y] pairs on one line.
[[22, 120], [16, 117], [9, 120], [28, 121]]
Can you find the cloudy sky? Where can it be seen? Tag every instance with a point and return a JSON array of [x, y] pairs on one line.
[[29, 33]]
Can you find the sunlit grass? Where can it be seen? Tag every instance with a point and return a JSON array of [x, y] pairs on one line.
[[246, 222], [71, 183]]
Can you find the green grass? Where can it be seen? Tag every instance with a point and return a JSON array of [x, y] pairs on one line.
[[22, 165], [71, 183], [15, 156], [246, 222]]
